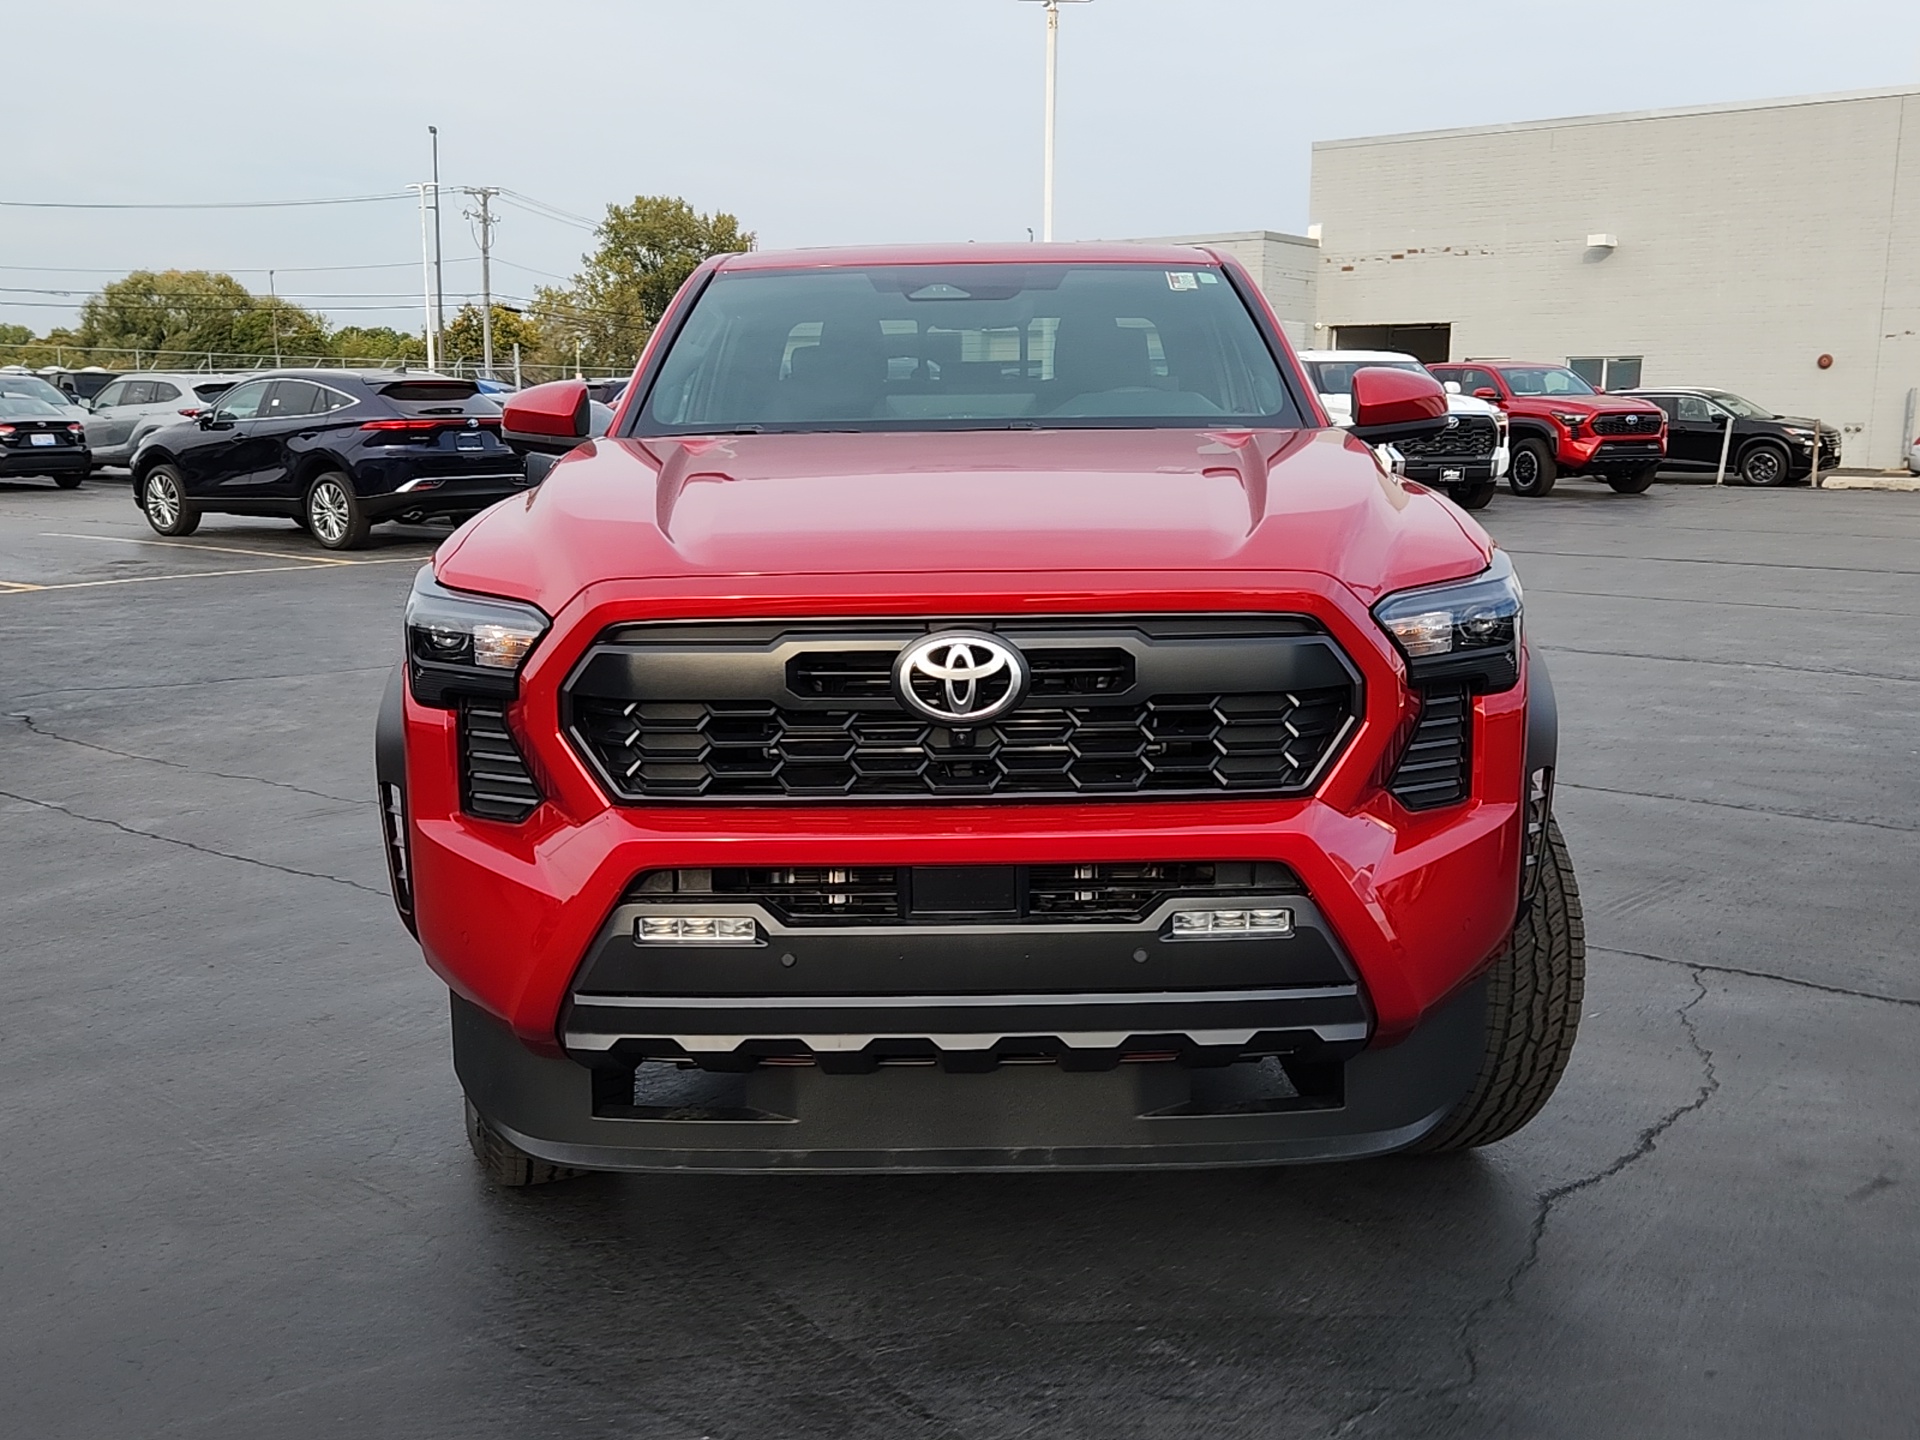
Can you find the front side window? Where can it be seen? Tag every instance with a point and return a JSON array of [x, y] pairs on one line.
[[243, 401], [1693, 408], [1744, 408], [1545, 380], [958, 347], [114, 394]]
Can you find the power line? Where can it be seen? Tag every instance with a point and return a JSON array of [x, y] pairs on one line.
[[202, 204]]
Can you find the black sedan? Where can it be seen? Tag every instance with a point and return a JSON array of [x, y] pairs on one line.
[[336, 451], [37, 439], [1766, 449]]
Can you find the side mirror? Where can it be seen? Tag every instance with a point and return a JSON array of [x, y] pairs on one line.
[[548, 419], [1392, 405], [207, 419], [1452, 387], [1487, 392]]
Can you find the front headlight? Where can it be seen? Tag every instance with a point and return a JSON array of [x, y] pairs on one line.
[[461, 644], [1464, 630], [1569, 418]]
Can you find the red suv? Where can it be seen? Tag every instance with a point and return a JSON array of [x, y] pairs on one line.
[[972, 709], [1561, 425]]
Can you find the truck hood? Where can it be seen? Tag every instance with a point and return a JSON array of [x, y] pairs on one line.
[[1046, 503]]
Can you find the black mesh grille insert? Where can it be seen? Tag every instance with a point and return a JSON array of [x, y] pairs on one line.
[[1434, 771], [1116, 706], [1043, 894], [1627, 424], [494, 781], [1473, 438]]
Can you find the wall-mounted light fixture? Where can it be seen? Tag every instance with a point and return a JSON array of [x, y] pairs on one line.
[[1599, 241]]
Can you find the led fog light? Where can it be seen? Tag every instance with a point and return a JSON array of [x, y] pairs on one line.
[[695, 930], [1230, 924]]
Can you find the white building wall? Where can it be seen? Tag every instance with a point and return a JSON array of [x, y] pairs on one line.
[[1753, 239], [1285, 267]]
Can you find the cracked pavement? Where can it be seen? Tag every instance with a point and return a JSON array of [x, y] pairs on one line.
[[239, 1200]]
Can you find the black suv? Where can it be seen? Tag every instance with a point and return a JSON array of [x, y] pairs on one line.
[[1767, 449], [336, 451]]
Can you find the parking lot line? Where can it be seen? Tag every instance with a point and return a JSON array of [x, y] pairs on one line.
[[8, 587], [189, 545]]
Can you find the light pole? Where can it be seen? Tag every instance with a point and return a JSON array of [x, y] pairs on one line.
[[439, 285], [1053, 85], [273, 311], [426, 282]]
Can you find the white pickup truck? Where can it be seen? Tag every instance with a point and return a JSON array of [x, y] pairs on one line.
[[1466, 461]]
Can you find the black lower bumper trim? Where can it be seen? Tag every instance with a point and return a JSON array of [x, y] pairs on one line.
[[804, 1119]]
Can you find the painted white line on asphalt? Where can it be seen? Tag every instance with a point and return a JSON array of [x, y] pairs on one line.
[[10, 586], [190, 545], [197, 575]]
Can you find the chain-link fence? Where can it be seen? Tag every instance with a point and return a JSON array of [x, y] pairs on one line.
[[43, 357]]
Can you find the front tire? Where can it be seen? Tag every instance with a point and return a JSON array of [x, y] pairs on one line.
[[1764, 465], [1636, 482], [333, 514], [1473, 497], [1534, 993], [504, 1162], [163, 500], [1532, 471]]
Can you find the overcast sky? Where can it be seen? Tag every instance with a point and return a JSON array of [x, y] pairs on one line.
[[815, 121]]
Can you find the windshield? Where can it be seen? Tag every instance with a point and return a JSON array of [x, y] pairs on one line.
[[1745, 409], [33, 388], [966, 347], [1547, 380], [1332, 377]]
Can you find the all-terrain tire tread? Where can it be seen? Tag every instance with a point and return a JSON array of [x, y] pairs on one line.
[[1534, 994], [504, 1162]]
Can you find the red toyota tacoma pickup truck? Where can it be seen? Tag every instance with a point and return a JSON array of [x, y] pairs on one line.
[[1561, 425], [971, 709]]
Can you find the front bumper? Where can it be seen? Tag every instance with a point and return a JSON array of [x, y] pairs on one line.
[[1442, 474], [1605, 454], [518, 918], [908, 1117]]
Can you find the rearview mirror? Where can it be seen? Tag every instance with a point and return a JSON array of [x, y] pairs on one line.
[[1392, 405], [548, 419]]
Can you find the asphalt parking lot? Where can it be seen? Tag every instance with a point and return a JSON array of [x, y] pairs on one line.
[[238, 1201]]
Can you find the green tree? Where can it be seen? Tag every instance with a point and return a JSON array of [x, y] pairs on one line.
[[510, 328], [196, 312], [379, 343], [646, 250]]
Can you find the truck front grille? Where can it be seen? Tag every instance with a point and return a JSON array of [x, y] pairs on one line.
[[1475, 437], [1151, 707], [1627, 424]]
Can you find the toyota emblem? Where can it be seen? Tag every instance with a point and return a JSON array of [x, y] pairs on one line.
[[960, 677], [1633, 419]]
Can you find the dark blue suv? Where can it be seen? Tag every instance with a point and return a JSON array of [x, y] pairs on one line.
[[336, 451]]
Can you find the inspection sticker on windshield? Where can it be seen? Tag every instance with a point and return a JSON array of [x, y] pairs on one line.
[[1182, 280]]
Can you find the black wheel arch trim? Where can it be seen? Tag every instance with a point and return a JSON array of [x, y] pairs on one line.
[[1543, 715]]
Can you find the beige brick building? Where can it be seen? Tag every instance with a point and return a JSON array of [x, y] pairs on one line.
[[1727, 245]]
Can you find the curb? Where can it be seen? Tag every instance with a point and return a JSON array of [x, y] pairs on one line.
[[1890, 480]]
